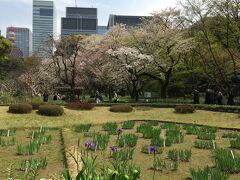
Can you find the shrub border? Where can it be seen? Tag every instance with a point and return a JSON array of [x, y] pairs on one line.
[[215, 108]]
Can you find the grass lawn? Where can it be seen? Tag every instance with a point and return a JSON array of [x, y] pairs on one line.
[[101, 115], [98, 116]]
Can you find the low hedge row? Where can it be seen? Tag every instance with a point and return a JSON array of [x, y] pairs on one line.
[[183, 109], [35, 105], [80, 105], [47, 110], [20, 108], [27, 108], [216, 108], [50, 110], [121, 108]]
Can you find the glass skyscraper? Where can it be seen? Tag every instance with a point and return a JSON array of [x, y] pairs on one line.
[[102, 30], [129, 21], [22, 39], [44, 24], [79, 20]]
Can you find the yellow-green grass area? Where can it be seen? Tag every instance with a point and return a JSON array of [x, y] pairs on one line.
[[200, 157], [102, 114], [52, 152]]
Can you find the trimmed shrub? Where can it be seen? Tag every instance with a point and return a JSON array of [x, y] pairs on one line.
[[80, 105], [184, 109], [35, 105], [20, 108], [121, 108], [50, 110]]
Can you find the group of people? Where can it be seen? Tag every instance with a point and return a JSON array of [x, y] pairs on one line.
[[56, 97], [211, 97], [98, 97]]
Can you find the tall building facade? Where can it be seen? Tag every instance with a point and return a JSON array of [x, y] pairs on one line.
[[21, 39], [44, 24], [129, 21], [102, 30], [79, 20]]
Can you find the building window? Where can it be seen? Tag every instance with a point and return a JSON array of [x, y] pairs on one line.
[[46, 12]]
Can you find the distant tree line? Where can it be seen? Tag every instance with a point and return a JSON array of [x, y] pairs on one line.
[[177, 50]]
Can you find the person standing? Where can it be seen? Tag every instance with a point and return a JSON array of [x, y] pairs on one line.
[[212, 96], [55, 98], [97, 97], [195, 96], [115, 97], [207, 97], [219, 98], [230, 98], [45, 96]]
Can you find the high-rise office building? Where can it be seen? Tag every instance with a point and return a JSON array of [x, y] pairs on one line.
[[79, 20], [44, 24], [21, 38], [129, 21]]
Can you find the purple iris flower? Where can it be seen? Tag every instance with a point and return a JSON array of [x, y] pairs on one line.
[[113, 148], [119, 130], [92, 145], [153, 149], [89, 145]]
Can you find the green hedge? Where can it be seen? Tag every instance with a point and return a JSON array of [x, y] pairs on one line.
[[20, 108], [121, 108], [80, 106], [216, 108], [50, 110], [36, 105]]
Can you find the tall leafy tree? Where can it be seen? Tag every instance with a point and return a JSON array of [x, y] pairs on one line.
[[215, 26], [162, 37], [67, 60], [5, 47]]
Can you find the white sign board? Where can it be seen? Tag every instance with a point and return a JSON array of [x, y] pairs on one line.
[[147, 94]]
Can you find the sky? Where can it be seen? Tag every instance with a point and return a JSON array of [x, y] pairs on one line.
[[18, 13]]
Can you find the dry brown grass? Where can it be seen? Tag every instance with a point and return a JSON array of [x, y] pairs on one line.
[[200, 158], [52, 152], [102, 114]]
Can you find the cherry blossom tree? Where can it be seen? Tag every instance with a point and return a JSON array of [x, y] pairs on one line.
[[37, 77], [67, 61], [162, 36], [132, 63], [98, 65]]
